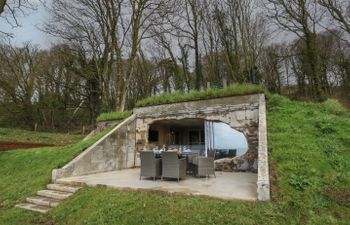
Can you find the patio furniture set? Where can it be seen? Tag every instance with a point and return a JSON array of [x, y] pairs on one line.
[[173, 165]]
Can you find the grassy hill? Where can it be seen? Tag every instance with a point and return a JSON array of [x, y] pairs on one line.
[[310, 177], [18, 135]]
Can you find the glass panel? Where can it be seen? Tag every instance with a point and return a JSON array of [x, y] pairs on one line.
[[228, 142]]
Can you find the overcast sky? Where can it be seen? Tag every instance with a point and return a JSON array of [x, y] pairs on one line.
[[28, 31]]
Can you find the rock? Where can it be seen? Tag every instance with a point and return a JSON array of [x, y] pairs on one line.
[[224, 165], [240, 163]]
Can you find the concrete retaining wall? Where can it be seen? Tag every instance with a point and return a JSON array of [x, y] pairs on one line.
[[116, 150], [263, 182]]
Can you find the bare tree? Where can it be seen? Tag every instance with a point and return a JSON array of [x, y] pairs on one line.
[[111, 33], [144, 15], [167, 57], [210, 35], [18, 76], [186, 22], [301, 17], [243, 35], [95, 28], [340, 11]]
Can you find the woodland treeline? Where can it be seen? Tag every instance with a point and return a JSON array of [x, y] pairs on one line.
[[110, 53]]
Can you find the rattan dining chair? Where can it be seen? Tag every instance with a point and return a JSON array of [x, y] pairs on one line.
[[172, 166], [150, 166], [204, 166]]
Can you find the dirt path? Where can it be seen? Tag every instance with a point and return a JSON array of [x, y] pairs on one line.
[[5, 145]]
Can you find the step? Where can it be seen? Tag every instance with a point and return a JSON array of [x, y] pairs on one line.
[[70, 183], [33, 207], [59, 195], [63, 187], [44, 201]]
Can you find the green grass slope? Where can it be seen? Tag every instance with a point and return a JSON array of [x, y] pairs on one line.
[[23, 173], [310, 179], [19, 135]]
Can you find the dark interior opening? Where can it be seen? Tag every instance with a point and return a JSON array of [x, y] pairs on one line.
[[153, 136]]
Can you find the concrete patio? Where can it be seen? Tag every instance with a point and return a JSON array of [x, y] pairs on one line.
[[226, 185]]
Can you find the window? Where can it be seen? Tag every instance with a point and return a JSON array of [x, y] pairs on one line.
[[196, 137]]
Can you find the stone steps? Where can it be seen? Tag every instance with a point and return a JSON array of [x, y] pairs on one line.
[[59, 195], [62, 187], [44, 201], [33, 207], [49, 198], [70, 183]]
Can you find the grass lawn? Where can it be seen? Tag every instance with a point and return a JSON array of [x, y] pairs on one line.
[[310, 178], [18, 135], [23, 173]]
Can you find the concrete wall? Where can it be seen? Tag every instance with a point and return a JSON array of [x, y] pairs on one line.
[[240, 112], [116, 150], [263, 183]]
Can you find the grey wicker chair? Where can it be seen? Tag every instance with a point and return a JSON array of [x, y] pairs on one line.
[[172, 166], [190, 166], [204, 166], [150, 166]]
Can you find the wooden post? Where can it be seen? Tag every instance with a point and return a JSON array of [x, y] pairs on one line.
[[208, 85], [224, 82]]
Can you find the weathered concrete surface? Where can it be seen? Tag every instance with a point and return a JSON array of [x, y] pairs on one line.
[[229, 186], [263, 183], [116, 150]]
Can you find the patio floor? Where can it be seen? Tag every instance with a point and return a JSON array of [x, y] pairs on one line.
[[226, 185]]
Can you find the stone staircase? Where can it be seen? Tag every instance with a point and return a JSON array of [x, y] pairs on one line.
[[49, 198]]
